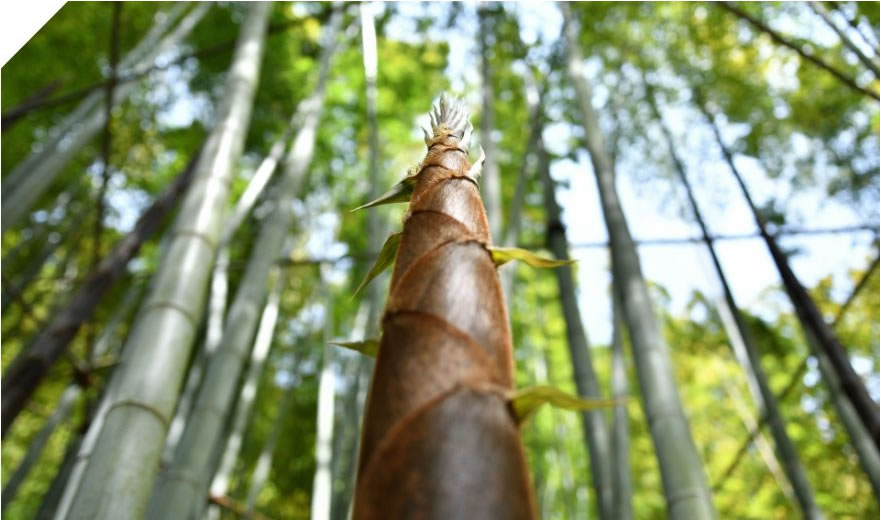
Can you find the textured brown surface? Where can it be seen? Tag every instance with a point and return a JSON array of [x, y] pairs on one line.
[[439, 440]]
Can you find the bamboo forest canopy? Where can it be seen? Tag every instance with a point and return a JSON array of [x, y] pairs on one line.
[[181, 269]]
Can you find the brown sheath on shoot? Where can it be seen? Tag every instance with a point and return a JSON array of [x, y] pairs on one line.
[[439, 439]]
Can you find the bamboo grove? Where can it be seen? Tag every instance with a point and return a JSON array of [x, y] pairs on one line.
[[626, 268]]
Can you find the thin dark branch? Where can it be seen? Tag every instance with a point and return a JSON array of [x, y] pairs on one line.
[[825, 15], [795, 379], [875, 228], [14, 114], [236, 508], [853, 22], [802, 52], [27, 371], [32, 104], [107, 136]]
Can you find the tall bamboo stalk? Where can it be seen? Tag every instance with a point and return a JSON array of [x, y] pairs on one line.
[[103, 345], [180, 492], [598, 442], [761, 442], [491, 175], [119, 477], [862, 443], [26, 373], [30, 178], [322, 483], [371, 308], [805, 308], [219, 289], [742, 342], [687, 494], [514, 214], [262, 345], [622, 501]]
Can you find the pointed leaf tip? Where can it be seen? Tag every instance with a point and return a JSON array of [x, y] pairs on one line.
[[401, 192], [368, 347], [385, 258], [526, 401], [502, 255]]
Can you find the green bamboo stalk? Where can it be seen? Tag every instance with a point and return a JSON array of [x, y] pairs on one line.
[[180, 493], [27, 371], [219, 289], [743, 344], [30, 178], [622, 502], [120, 473], [491, 177], [687, 494], [69, 397], [805, 308], [598, 442], [262, 345], [322, 484]]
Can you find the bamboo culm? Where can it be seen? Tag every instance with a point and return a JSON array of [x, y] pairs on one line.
[[262, 346], [595, 427], [219, 290], [30, 179], [119, 476], [808, 314], [70, 395], [622, 505], [491, 177], [180, 491], [24, 375], [742, 343], [684, 482]]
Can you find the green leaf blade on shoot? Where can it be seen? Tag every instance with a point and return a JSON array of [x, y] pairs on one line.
[[526, 401], [401, 192], [385, 258], [502, 255], [368, 347]]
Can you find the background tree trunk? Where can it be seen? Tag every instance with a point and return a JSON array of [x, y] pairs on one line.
[[27, 181], [179, 492], [742, 344], [491, 180], [595, 426], [160, 344], [24, 375], [684, 482], [805, 308], [621, 506], [262, 345]]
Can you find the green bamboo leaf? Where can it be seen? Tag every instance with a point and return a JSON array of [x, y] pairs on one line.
[[385, 258], [526, 401], [367, 347], [401, 192], [502, 255]]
